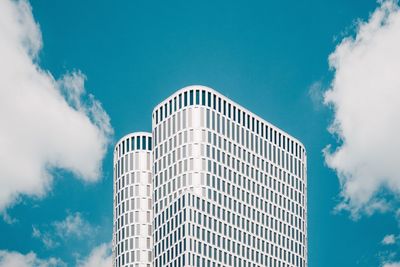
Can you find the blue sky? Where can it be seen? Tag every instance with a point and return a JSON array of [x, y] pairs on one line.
[[269, 56]]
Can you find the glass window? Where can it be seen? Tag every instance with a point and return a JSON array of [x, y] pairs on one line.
[[209, 99], [185, 99], [197, 97], [262, 130], [215, 102], [279, 139], [175, 100], [224, 107], [191, 97]]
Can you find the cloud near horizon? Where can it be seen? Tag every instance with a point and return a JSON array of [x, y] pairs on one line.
[[16, 259], [45, 123], [391, 264], [365, 97], [100, 256]]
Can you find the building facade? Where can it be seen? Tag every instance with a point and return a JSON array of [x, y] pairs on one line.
[[133, 207], [229, 188]]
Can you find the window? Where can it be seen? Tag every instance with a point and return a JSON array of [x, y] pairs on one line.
[[144, 146], [224, 107], [175, 100], [214, 102], [191, 97], [185, 99], [197, 97]]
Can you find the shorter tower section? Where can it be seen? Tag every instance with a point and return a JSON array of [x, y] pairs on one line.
[[133, 215]]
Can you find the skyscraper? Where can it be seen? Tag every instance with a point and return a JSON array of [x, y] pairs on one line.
[[229, 188]]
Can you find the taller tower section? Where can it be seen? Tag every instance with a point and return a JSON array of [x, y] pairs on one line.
[[230, 189]]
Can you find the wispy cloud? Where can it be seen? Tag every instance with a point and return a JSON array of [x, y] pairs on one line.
[[365, 97], [316, 94], [389, 240], [45, 123], [46, 238], [73, 227]]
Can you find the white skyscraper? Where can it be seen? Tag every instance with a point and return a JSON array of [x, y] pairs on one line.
[[229, 188], [133, 213]]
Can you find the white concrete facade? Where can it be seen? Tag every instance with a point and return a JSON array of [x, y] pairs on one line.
[[229, 188], [133, 213]]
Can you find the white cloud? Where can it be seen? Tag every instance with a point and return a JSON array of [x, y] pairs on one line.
[[46, 238], [365, 96], [99, 257], [74, 225], [389, 240], [16, 259], [44, 123]]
